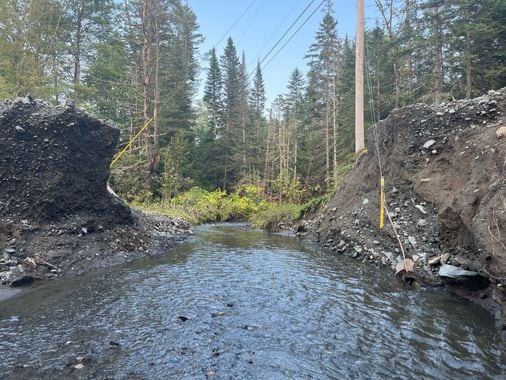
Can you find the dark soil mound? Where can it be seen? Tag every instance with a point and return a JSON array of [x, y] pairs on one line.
[[55, 164], [445, 175], [56, 216]]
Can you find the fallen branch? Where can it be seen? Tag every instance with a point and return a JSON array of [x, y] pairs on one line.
[[397, 236]]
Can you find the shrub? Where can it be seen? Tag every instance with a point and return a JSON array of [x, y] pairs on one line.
[[314, 204], [270, 217]]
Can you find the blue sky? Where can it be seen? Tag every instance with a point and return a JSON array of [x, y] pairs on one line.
[[262, 24]]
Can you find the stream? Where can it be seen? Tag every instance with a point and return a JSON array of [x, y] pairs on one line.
[[239, 303]]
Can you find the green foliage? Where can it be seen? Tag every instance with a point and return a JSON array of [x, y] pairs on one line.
[[343, 170], [314, 204], [128, 178], [106, 85], [271, 216], [245, 203], [92, 50], [200, 206], [176, 166], [286, 189]]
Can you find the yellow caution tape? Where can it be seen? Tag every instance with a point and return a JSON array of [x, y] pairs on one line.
[[118, 156]]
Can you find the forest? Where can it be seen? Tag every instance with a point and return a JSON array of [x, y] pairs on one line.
[[137, 63]]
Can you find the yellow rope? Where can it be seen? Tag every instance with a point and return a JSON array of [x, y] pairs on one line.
[[118, 156]]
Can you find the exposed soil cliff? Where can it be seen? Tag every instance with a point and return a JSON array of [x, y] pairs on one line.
[[56, 215], [445, 184]]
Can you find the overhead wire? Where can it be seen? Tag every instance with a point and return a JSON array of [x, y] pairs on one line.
[[250, 76], [294, 33], [274, 33], [235, 23], [251, 21], [288, 30]]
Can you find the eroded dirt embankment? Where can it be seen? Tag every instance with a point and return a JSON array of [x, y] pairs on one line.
[[56, 216], [445, 174]]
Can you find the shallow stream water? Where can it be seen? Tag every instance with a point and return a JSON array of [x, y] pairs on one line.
[[245, 304]]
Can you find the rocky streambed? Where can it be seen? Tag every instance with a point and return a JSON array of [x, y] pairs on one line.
[[233, 302], [445, 191]]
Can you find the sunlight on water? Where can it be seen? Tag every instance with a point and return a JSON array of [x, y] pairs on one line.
[[244, 304]]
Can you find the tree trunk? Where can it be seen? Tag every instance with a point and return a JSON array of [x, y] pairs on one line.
[[77, 49], [409, 45], [334, 129], [145, 58], [295, 148], [244, 145], [327, 143], [438, 58], [397, 80], [156, 100], [469, 83], [267, 153]]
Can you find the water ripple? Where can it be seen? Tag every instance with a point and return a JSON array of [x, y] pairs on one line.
[[245, 304]]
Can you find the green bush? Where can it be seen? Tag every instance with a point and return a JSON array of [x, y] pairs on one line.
[[200, 206], [272, 215], [314, 204]]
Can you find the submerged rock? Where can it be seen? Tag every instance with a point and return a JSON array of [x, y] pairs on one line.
[[24, 280], [457, 276], [451, 271]]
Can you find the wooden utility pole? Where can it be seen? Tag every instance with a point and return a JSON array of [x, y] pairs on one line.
[[359, 79]]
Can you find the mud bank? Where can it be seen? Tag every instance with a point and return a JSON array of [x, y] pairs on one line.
[[56, 216], [445, 191]]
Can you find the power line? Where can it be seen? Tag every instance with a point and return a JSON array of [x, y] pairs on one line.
[[235, 22], [288, 30], [249, 78], [274, 33], [251, 21], [294, 33]]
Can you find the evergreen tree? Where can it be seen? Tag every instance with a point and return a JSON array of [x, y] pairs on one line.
[[257, 101], [346, 93], [244, 151], [323, 77], [294, 101], [32, 48], [89, 23], [213, 92], [231, 69], [106, 88], [477, 39], [257, 96]]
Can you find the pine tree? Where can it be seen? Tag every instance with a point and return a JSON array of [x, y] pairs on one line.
[[230, 68], [213, 92], [477, 40], [89, 23], [324, 62], [244, 154], [295, 106], [346, 93], [257, 101]]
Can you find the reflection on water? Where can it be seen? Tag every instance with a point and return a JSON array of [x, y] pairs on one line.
[[244, 304]]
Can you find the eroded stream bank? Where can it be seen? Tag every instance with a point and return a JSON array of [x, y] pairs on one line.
[[242, 303]]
